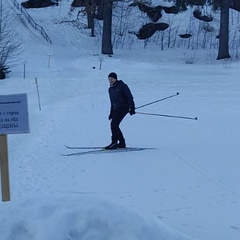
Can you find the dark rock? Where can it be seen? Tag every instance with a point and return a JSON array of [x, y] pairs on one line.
[[197, 2], [173, 9], [78, 3], [235, 4], [186, 35], [39, 3], [154, 13], [149, 29], [197, 14]]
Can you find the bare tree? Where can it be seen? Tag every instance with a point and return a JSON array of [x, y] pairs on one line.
[[9, 43], [223, 51], [107, 27], [90, 9]]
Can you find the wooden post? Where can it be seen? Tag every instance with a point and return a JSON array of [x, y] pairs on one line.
[[4, 168], [100, 61], [24, 70], [49, 58], [39, 103]]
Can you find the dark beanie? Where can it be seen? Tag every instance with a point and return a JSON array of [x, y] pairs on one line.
[[113, 75]]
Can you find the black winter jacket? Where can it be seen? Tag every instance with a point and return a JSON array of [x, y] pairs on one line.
[[120, 96]]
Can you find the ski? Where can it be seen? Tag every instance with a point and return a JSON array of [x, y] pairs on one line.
[[102, 150], [78, 147]]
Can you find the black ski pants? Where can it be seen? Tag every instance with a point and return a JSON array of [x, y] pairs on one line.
[[117, 117]]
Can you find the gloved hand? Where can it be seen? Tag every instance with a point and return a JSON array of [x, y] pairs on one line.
[[110, 116], [132, 111]]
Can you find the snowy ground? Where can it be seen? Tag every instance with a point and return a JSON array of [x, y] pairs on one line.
[[189, 183]]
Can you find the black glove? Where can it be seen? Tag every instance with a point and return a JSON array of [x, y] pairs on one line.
[[110, 116], [132, 111]]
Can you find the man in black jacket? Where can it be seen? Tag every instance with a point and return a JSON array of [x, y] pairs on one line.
[[121, 103]]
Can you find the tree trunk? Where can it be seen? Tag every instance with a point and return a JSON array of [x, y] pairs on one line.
[[90, 8], [223, 51], [2, 74], [107, 27]]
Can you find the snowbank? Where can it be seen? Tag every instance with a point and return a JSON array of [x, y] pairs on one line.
[[77, 218]]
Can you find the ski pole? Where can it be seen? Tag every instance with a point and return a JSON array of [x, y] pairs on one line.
[[164, 115], [147, 104]]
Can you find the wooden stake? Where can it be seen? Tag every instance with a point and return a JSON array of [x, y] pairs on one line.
[[4, 168], [39, 103]]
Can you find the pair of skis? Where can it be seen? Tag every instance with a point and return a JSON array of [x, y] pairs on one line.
[[97, 150]]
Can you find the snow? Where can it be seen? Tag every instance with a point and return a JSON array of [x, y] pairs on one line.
[[186, 188]]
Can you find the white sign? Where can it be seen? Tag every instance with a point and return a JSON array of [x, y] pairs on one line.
[[14, 114]]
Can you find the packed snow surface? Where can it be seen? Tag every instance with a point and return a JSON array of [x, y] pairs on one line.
[[186, 187]]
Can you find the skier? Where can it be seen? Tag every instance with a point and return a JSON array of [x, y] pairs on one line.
[[121, 100]]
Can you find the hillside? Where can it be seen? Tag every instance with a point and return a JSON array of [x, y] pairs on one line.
[[187, 187]]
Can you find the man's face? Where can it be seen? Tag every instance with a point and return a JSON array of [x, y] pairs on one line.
[[111, 80]]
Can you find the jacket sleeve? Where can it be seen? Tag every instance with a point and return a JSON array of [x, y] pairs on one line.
[[129, 96]]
